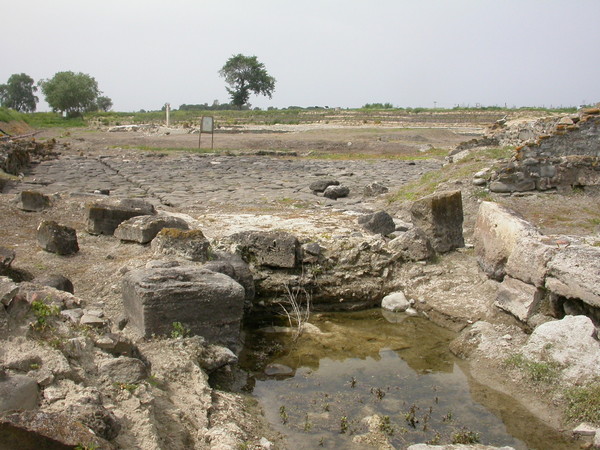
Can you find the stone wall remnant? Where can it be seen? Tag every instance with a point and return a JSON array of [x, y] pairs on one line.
[[105, 215]]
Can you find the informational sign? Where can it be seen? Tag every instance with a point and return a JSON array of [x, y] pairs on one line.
[[207, 124]]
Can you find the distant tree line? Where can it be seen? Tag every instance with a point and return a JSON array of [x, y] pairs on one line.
[[216, 106], [66, 92]]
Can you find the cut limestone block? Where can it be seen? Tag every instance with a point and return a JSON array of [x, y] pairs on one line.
[[206, 303]]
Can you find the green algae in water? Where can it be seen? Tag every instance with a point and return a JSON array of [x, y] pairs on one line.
[[369, 363]]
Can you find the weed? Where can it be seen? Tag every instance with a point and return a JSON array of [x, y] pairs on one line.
[[90, 446], [297, 313], [126, 386], [179, 331], [536, 371], [283, 414], [385, 426], [583, 403], [465, 436], [343, 424], [307, 424], [411, 415], [42, 312]]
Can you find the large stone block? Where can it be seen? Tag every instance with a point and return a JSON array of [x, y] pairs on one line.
[[518, 298], [34, 201], [378, 223], [528, 260], [440, 216], [268, 248], [209, 304], [186, 244], [574, 272], [143, 229], [56, 238], [498, 230], [105, 215]]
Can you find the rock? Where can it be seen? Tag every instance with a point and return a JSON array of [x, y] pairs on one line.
[[456, 447], [412, 245], [92, 320], [569, 342], [56, 281], [234, 267], [46, 430], [277, 249], [479, 182], [497, 233], [311, 253], [395, 302], [321, 185], [275, 369], [440, 216], [8, 290], [56, 238], [100, 420], [118, 345], [105, 215], [143, 229], [378, 223], [374, 189], [266, 444], [529, 259], [74, 315], [18, 392], [335, 192], [518, 298], [123, 370], [187, 244], [209, 304], [574, 272], [34, 201], [585, 429], [215, 356], [7, 256]]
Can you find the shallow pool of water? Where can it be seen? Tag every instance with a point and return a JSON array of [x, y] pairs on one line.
[[318, 391]]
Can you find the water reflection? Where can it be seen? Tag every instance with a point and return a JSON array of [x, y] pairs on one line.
[[319, 390]]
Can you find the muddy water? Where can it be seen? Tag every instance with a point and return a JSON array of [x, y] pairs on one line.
[[318, 391]]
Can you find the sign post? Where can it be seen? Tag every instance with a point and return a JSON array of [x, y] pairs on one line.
[[207, 126]]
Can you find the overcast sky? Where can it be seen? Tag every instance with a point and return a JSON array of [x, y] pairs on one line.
[[343, 53]]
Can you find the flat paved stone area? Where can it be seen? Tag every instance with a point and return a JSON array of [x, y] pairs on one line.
[[216, 183]]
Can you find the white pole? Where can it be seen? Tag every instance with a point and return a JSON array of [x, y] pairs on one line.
[[168, 109]]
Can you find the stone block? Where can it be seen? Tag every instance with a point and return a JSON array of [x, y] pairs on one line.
[[574, 272], [143, 229], [123, 370], [528, 260], [378, 223], [105, 215], [518, 298], [18, 392], [34, 201], [7, 256], [497, 232], [321, 185], [268, 248], [395, 302], [412, 245], [187, 244], [374, 189], [56, 238], [440, 216], [209, 304], [335, 192]]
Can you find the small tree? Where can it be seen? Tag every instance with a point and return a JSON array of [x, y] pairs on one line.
[[17, 93], [245, 74], [73, 93], [104, 103]]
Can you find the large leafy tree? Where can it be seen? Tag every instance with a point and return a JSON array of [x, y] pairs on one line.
[[72, 93], [244, 74], [18, 93], [104, 103]]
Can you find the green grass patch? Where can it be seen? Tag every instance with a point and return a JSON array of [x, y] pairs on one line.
[[546, 372], [583, 403], [8, 115], [464, 168], [54, 120]]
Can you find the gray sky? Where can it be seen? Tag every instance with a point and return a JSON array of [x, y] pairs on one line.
[[343, 53]]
